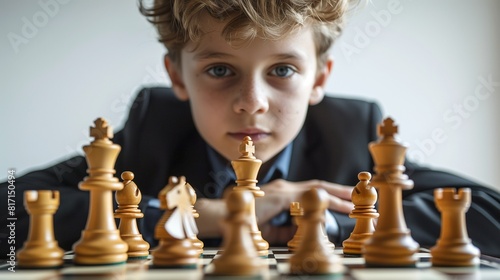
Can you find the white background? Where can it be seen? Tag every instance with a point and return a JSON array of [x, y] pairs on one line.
[[64, 63]]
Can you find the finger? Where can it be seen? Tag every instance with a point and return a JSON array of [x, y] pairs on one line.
[[340, 205], [341, 191]]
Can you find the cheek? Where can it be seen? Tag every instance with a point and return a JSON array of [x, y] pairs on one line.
[[289, 115]]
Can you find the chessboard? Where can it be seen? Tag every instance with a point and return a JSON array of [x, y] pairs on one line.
[[277, 268]]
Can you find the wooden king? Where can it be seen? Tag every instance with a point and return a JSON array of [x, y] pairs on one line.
[[391, 244], [246, 168], [100, 242]]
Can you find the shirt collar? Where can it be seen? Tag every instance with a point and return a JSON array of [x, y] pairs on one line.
[[223, 173]]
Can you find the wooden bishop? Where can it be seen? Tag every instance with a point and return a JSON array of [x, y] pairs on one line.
[[100, 243], [246, 168], [41, 250], [364, 197], [391, 244], [454, 247], [128, 200]]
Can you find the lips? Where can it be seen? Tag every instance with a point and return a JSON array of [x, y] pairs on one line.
[[255, 134]]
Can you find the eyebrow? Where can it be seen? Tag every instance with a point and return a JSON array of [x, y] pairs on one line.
[[211, 54], [290, 55], [217, 55]]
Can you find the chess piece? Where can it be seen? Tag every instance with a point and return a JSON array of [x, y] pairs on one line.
[[128, 200], [454, 247], [364, 197], [239, 254], [176, 227], [41, 250], [100, 243], [197, 243], [391, 244], [296, 212], [246, 168], [313, 256]]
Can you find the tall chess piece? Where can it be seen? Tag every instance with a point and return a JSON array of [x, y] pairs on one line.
[[454, 247], [100, 242], [239, 255], [246, 169], [313, 255], [176, 228], [391, 243], [41, 250], [364, 197], [128, 200]]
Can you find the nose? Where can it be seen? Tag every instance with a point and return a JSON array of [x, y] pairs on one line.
[[252, 98]]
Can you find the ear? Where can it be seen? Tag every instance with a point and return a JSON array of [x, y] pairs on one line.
[[175, 75], [318, 90]]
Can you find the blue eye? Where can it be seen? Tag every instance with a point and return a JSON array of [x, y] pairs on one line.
[[219, 71], [282, 71]]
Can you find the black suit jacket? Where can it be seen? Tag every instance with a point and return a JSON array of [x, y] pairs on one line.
[[159, 140]]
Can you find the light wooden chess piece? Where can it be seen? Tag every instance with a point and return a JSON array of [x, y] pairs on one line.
[[176, 227], [197, 243], [454, 247], [128, 200], [296, 212], [364, 198], [100, 243], [239, 255], [246, 168], [41, 250], [313, 256], [391, 244]]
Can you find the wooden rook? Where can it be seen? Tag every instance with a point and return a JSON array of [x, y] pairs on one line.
[[296, 212], [364, 198], [313, 255], [246, 168], [100, 243], [176, 228], [128, 200], [391, 244], [454, 247], [239, 254], [41, 250]]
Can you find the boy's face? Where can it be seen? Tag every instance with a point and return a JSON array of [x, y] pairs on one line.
[[262, 89]]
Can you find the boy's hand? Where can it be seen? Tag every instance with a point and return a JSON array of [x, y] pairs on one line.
[[280, 193]]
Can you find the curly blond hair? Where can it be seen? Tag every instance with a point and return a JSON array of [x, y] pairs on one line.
[[178, 21]]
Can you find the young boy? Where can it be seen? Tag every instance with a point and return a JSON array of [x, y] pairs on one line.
[[255, 68]]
